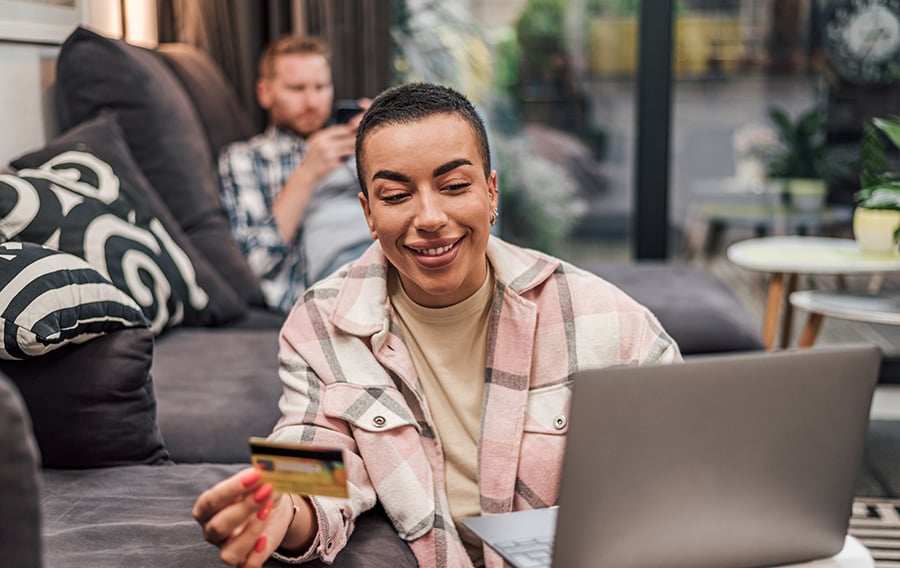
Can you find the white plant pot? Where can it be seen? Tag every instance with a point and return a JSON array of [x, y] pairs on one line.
[[806, 194], [874, 229], [749, 170]]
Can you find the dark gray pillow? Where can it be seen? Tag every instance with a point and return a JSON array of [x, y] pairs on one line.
[[164, 133], [102, 138], [224, 118], [92, 405], [20, 515], [50, 298], [75, 203]]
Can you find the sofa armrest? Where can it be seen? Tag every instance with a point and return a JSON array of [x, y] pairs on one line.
[[20, 519], [700, 313]]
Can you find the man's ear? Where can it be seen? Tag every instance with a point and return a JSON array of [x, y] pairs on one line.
[[364, 202], [264, 93]]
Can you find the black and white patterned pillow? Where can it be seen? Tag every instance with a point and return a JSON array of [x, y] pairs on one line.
[[73, 203], [50, 298]]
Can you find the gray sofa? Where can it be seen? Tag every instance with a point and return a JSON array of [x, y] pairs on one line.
[[127, 418]]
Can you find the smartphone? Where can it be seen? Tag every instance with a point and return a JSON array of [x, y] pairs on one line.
[[346, 109]]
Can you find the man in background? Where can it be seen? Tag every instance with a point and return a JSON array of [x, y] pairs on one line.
[[291, 192]]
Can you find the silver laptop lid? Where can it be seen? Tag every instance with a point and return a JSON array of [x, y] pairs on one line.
[[722, 461]]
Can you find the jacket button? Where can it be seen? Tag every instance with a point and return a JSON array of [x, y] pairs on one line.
[[379, 421], [560, 422]]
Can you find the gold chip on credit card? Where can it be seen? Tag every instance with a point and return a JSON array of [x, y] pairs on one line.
[[300, 469]]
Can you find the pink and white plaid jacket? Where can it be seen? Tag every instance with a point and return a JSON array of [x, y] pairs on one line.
[[349, 382]]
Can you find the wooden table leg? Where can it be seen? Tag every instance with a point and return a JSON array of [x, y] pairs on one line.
[[715, 231], [774, 298], [810, 330], [787, 316], [875, 283]]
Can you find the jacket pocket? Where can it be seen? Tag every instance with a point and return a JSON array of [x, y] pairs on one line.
[[387, 438], [373, 409], [548, 409], [543, 444]]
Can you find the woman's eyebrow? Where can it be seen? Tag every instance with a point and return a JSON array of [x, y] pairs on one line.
[[390, 175], [450, 166]]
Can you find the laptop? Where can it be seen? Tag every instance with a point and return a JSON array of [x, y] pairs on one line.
[[722, 461]]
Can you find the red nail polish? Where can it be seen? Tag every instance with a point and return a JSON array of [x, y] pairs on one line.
[[250, 478], [263, 513], [260, 544], [263, 493]]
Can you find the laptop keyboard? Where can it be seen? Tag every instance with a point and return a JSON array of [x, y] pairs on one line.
[[526, 553]]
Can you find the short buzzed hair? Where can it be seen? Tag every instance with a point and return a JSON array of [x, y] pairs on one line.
[[412, 102], [290, 45]]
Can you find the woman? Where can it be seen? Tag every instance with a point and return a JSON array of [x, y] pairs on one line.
[[441, 359]]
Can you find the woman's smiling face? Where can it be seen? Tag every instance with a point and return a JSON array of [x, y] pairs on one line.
[[430, 205]]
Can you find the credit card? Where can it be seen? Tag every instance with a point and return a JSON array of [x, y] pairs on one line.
[[299, 469]]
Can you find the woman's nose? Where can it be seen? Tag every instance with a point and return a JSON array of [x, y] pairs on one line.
[[431, 216]]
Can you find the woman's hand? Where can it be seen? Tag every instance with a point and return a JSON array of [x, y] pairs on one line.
[[243, 517]]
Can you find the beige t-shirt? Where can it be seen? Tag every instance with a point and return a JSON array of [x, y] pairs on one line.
[[448, 347]]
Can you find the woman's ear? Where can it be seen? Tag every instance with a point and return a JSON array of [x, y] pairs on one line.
[[492, 189], [367, 211]]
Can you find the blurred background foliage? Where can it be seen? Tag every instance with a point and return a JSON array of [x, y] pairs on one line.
[[519, 76]]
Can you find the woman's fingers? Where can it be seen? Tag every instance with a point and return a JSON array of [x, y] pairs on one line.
[[262, 535], [231, 521], [225, 493], [251, 543]]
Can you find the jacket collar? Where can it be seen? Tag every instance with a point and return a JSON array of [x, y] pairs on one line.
[[362, 304]]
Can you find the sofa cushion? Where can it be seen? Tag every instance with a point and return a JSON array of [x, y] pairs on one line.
[[102, 138], [222, 115], [20, 515], [164, 133], [700, 313], [216, 388], [49, 299], [74, 202], [140, 516], [92, 405]]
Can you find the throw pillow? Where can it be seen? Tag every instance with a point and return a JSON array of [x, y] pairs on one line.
[[92, 405], [222, 115], [49, 299], [73, 203], [102, 137], [164, 133]]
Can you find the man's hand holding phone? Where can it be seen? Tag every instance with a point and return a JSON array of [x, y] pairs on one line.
[[348, 111]]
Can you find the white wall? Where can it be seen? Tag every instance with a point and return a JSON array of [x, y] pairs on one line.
[[27, 118], [26, 98]]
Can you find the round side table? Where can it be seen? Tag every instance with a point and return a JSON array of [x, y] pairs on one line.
[[868, 308], [784, 258]]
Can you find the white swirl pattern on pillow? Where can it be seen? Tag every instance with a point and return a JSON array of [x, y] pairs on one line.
[[49, 299], [72, 202]]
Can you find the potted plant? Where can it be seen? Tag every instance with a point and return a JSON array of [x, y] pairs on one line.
[[754, 146], [800, 160], [876, 220]]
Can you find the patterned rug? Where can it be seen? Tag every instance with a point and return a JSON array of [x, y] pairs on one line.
[[876, 524]]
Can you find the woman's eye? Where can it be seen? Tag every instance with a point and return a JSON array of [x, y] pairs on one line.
[[394, 197], [457, 186]]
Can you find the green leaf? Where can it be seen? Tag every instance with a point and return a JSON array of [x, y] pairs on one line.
[[890, 127], [872, 160]]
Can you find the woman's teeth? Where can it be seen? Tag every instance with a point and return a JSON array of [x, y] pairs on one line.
[[434, 251]]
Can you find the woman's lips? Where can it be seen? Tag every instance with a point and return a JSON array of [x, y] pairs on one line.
[[433, 257]]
